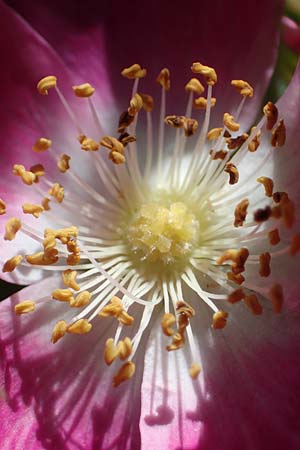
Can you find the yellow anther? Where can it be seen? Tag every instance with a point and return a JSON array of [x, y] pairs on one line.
[[73, 259], [112, 144], [194, 370], [113, 308], [190, 127], [63, 163], [40, 259], [88, 144], [264, 264], [125, 319], [183, 308], [57, 191], [12, 226], [42, 145], [59, 331], [2, 207], [219, 320], [63, 234], [254, 144], [240, 213], [45, 203], [148, 102], [276, 297], [126, 139], [195, 86], [83, 90], [164, 79], [278, 134], [38, 170], [125, 373], [268, 185], [229, 122], [234, 143], [274, 237], [243, 87], [111, 352], [236, 278], [233, 173], [134, 71], [81, 299], [208, 72], [219, 154], [136, 104], [175, 121], [271, 113], [117, 158], [69, 279], [201, 102], [46, 83], [24, 307], [167, 322], [63, 295], [81, 326], [251, 301], [12, 263], [35, 210], [178, 341], [214, 133], [295, 245], [124, 348], [262, 214], [27, 176], [236, 296]]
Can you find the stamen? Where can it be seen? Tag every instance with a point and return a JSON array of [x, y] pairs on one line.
[[219, 320], [194, 370], [274, 237], [236, 296], [278, 135], [208, 72], [251, 301], [229, 122], [81, 326], [69, 279], [134, 71], [63, 295], [12, 263], [233, 173], [167, 321], [214, 133], [42, 144], [38, 170], [63, 163], [255, 142], [25, 307], [271, 113], [295, 245], [243, 87], [82, 299], [59, 331], [27, 176], [240, 213], [83, 90], [12, 226], [276, 297], [264, 264], [268, 185], [194, 86], [2, 207], [125, 373], [35, 210], [163, 79], [46, 83], [57, 191]]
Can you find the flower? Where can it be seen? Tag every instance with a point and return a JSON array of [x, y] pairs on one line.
[[144, 237]]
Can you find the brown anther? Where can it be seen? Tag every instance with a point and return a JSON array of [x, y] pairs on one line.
[[57, 191], [59, 331], [117, 158], [219, 154], [136, 104], [234, 143], [38, 170], [69, 279], [63, 163], [63, 295], [111, 352], [233, 173], [134, 71], [124, 348], [219, 320], [12, 263], [46, 83], [167, 321], [243, 87], [126, 139], [177, 342], [33, 209], [12, 226], [27, 306], [124, 121], [295, 245], [190, 127], [27, 176], [183, 308], [288, 212], [214, 133], [238, 257], [88, 144], [164, 79], [81, 299], [208, 72], [254, 144], [229, 122], [148, 102], [280, 196], [81, 326], [45, 203], [278, 134], [194, 370], [42, 145], [276, 297], [271, 113], [274, 237], [201, 102], [125, 373], [251, 301], [236, 278], [2, 207], [73, 259], [240, 213], [262, 214], [236, 296], [195, 86], [268, 185], [112, 144], [264, 264], [83, 90], [40, 259], [175, 121]]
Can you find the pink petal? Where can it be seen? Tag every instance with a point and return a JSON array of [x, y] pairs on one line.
[[291, 34]]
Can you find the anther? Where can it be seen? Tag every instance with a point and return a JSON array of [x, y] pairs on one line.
[[39, 259], [178, 341], [271, 113], [69, 279], [254, 144], [195, 86], [236, 296], [190, 127], [238, 257], [27, 176], [295, 245], [45, 203], [2, 207], [27, 306], [214, 133], [117, 158], [124, 121], [278, 134], [233, 173], [235, 278], [88, 144], [229, 122], [243, 87], [268, 185], [81, 299], [148, 102], [240, 213], [83, 90], [134, 71], [208, 72], [33, 209], [251, 301], [164, 79], [57, 191], [126, 139], [234, 143], [219, 320], [63, 163], [274, 237], [124, 348], [12, 263], [12, 226], [111, 352], [46, 83], [125, 373], [262, 214], [81, 326], [59, 331], [219, 154], [264, 264], [167, 321], [194, 370], [201, 102], [112, 144], [276, 297], [175, 121], [63, 295], [136, 104], [42, 145], [38, 170]]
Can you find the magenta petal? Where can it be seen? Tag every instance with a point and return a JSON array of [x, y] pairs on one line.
[[61, 396], [291, 34]]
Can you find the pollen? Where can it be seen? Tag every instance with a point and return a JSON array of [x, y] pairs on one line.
[[42, 144], [243, 87], [63, 163], [46, 83], [12, 226], [84, 90], [27, 176], [195, 86], [125, 373], [229, 122], [81, 326], [12, 263], [25, 307], [57, 191], [69, 279], [268, 185], [59, 331], [35, 210]]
